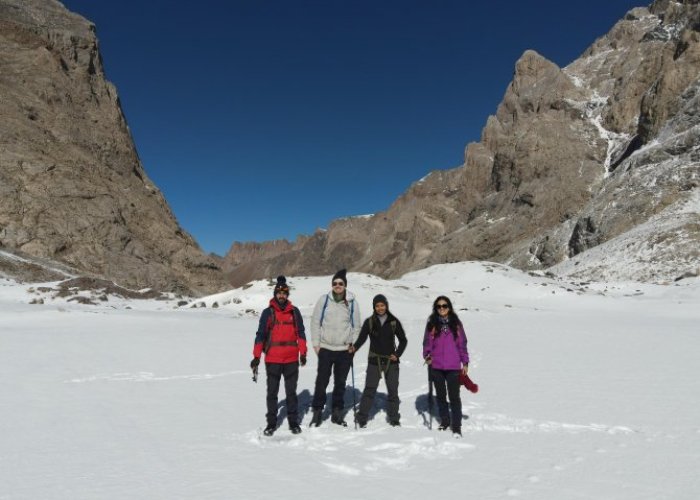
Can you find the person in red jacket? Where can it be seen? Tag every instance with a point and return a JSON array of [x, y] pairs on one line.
[[281, 337]]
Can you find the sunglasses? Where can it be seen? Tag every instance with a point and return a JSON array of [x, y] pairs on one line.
[[442, 306], [338, 283]]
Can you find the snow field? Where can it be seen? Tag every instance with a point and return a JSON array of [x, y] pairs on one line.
[[588, 393]]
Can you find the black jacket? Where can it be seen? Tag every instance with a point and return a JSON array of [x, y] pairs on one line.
[[381, 337]]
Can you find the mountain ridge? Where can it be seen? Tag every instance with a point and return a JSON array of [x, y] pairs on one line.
[[565, 164], [573, 159]]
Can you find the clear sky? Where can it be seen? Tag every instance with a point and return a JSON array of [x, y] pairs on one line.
[[266, 119]]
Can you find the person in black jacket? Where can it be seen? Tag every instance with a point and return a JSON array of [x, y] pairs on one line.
[[382, 328]]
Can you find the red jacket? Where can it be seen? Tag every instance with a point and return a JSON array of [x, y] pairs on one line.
[[280, 334]]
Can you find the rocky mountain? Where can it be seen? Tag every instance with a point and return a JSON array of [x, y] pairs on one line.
[[72, 187], [604, 150]]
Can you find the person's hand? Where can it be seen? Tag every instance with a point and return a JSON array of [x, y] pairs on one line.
[[302, 360], [393, 357], [428, 359], [254, 364], [316, 349], [465, 369], [351, 349]]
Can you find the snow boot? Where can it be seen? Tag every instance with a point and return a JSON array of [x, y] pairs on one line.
[[444, 425], [270, 429], [457, 432], [361, 422], [337, 418], [394, 423], [316, 419], [295, 429]]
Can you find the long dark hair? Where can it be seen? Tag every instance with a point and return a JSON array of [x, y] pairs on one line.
[[453, 322]]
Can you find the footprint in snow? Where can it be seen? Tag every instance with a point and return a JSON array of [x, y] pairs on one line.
[[342, 469]]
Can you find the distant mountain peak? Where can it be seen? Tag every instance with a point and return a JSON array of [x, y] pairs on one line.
[[572, 159]]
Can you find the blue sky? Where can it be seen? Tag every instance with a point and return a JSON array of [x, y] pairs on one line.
[[268, 119]]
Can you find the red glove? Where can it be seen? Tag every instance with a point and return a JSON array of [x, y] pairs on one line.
[[467, 382]]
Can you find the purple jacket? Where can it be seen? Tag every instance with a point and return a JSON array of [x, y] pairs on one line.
[[446, 352]]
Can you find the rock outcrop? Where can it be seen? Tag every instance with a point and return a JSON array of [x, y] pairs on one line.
[[573, 158], [72, 187]]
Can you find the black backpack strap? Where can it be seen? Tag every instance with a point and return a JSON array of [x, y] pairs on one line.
[[323, 311], [271, 322]]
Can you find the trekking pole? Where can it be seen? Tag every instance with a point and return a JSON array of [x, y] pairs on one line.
[[352, 369], [255, 374], [430, 398]]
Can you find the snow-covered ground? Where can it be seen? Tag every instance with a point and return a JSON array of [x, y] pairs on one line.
[[586, 391]]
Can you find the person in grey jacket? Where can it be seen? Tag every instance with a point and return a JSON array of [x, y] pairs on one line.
[[335, 326]]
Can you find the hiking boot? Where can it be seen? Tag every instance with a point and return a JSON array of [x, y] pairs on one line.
[[457, 431], [394, 423], [295, 429], [316, 419], [444, 425], [337, 418], [339, 421], [361, 422], [270, 429]]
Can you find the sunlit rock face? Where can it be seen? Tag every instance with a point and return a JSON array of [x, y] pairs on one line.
[[72, 187]]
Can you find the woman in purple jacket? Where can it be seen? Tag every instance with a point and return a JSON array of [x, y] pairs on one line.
[[445, 350]]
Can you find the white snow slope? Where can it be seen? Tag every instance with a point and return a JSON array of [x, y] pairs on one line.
[[591, 392]]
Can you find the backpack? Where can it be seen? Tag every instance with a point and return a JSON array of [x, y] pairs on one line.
[[372, 323], [267, 341]]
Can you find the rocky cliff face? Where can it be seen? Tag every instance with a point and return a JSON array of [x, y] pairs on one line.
[[573, 158], [645, 77], [72, 187]]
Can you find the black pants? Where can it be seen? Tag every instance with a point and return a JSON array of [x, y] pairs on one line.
[[447, 382], [275, 371], [338, 364], [391, 377]]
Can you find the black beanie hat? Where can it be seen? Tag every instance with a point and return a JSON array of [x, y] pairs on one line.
[[340, 275], [380, 298], [281, 285]]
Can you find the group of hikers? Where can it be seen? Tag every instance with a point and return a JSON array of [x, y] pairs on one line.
[[336, 335]]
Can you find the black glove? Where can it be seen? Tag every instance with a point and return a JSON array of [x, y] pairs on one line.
[[302, 360], [254, 364]]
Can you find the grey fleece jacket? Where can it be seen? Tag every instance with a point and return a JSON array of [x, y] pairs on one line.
[[337, 330]]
